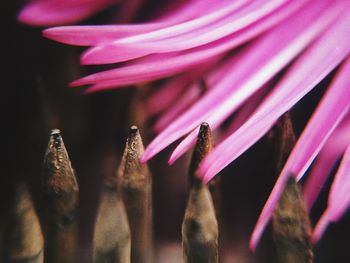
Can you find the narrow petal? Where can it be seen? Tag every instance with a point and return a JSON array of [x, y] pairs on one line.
[[321, 227], [60, 12], [330, 153], [160, 99], [247, 110], [183, 36], [94, 35], [164, 65], [210, 80], [339, 197], [261, 62], [178, 106], [221, 9], [331, 110]]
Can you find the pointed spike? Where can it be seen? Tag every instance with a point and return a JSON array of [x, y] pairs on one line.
[[285, 140], [59, 175], [59, 207], [23, 241], [203, 147], [200, 227], [136, 186], [291, 226]]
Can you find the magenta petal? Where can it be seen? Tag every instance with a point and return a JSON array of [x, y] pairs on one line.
[[160, 66], [160, 99], [220, 9], [94, 35], [183, 36], [59, 12], [261, 63], [339, 197], [246, 110], [321, 227], [328, 114], [186, 99], [330, 153]]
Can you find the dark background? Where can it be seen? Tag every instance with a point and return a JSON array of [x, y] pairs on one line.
[[35, 98]]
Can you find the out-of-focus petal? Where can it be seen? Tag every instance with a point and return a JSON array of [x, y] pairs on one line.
[[160, 99], [186, 99], [60, 12]]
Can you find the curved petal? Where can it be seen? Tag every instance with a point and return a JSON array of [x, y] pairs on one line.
[[338, 199], [59, 12], [327, 116], [255, 67], [95, 35], [163, 65], [330, 153], [186, 99], [183, 36]]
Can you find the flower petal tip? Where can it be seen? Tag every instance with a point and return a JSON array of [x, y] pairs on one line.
[[53, 33], [26, 18], [144, 158], [77, 83], [88, 58], [174, 156], [89, 91]]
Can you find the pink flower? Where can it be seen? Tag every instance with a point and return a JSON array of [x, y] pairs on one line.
[[61, 12], [237, 47]]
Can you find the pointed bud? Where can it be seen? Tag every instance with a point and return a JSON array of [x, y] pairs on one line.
[[59, 202], [136, 186], [200, 228]]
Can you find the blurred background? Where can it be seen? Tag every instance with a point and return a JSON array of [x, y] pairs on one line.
[[35, 98]]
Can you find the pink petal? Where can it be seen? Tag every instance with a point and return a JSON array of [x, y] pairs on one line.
[[305, 74], [94, 35], [321, 227], [219, 10], [246, 110], [186, 99], [159, 66], [255, 67], [183, 36], [330, 153], [160, 99], [59, 12], [339, 197]]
